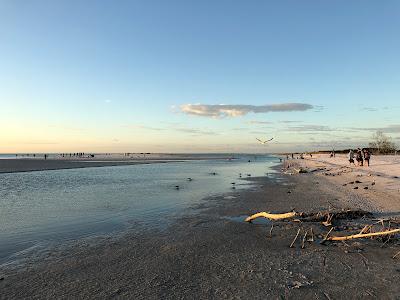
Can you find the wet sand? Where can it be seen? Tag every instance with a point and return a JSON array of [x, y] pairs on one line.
[[211, 253], [39, 164]]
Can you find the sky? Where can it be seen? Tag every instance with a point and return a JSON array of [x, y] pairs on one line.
[[197, 76]]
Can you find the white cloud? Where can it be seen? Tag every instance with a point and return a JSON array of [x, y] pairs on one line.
[[224, 110]]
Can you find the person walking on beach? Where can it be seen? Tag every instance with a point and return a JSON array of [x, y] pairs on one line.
[[367, 156], [359, 157], [351, 157]]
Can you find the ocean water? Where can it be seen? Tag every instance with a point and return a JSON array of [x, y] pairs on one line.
[[47, 207]]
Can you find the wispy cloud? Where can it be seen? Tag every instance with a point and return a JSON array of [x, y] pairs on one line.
[[307, 128], [258, 132], [144, 127], [224, 110], [260, 122], [368, 109], [195, 131], [240, 129], [289, 121], [395, 128], [175, 127]]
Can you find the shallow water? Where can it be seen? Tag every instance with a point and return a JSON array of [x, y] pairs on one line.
[[37, 208]]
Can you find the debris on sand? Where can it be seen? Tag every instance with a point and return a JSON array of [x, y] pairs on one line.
[[301, 170], [362, 235], [297, 284], [271, 216], [295, 238], [312, 217], [337, 221], [338, 215]]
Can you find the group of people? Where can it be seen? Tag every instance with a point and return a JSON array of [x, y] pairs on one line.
[[360, 155]]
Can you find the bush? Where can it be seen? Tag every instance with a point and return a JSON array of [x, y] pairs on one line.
[[382, 143]]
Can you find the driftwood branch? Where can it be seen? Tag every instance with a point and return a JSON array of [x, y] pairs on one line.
[[303, 242], [295, 238], [362, 235], [271, 216]]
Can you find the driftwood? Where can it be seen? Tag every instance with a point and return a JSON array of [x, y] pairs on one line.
[[295, 238], [311, 239], [324, 217], [271, 216], [365, 229], [303, 242], [339, 215], [362, 235], [326, 236], [328, 221]]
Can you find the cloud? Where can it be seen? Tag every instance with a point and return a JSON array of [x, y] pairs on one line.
[[259, 122], [305, 128], [107, 101], [144, 127], [257, 132], [195, 131], [368, 109], [395, 128], [224, 110], [287, 122], [177, 127], [240, 129]]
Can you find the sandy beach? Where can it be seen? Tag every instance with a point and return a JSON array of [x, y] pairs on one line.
[[212, 253], [376, 186]]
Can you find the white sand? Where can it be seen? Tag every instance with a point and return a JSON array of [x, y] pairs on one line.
[[383, 188]]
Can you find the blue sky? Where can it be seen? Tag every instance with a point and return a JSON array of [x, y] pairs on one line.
[[120, 75]]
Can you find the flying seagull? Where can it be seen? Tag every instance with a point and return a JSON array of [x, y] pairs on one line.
[[264, 142]]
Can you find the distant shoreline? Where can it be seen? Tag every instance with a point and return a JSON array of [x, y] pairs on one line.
[[37, 164]]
